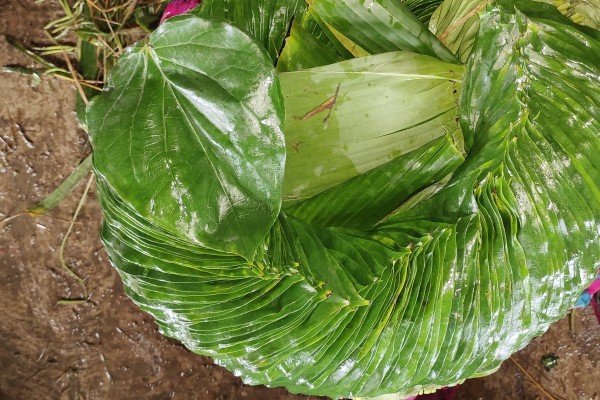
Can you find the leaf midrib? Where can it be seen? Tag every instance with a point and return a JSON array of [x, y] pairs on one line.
[[173, 90]]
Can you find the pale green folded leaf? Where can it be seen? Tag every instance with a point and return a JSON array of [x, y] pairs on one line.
[[584, 12], [456, 23], [345, 119]]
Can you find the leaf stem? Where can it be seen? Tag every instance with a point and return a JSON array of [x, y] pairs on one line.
[[532, 379]]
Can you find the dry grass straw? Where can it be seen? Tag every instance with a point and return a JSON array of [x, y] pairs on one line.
[[89, 38], [107, 26]]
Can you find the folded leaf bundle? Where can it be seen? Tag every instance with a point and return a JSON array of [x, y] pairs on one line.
[[334, 230]]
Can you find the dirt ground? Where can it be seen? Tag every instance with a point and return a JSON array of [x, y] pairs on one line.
[[106, 348]]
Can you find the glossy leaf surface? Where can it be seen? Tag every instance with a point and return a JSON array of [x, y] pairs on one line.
[[189, 134], [366, 199], [381, 26], [344, 119], [309, 45], [266, 20], [436, 292]]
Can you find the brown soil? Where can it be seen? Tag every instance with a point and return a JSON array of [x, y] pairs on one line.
[[106, 348]]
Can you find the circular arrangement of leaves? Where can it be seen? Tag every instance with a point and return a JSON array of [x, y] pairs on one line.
[[359, 213]]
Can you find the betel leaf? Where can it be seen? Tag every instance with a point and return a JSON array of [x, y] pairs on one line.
[[268, 21], [311, 37], [526, 201], [437, 292], [347, 118], [196, 146], [381, 26]]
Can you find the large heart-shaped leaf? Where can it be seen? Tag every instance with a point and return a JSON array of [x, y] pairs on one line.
[[189, 134]]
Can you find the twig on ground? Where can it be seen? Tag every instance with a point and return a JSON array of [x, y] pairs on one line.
[[572, 314], [10, 218], [532, 379]]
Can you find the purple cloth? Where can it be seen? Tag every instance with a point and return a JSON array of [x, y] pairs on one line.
[[595, 286]]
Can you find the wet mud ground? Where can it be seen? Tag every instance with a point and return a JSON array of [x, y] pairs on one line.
[[106, 348]]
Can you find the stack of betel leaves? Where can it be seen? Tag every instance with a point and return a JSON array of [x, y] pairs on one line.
[[354, 198]]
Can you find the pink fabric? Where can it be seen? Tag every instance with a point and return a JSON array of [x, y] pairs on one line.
[[594, 287], [596, 307], [177, 7]]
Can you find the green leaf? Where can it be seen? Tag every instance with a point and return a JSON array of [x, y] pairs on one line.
[[342, 44], [268, 21], [456, 23], [584, 12], [190, 126], [422, 8], [308, 46], [88, 67], [381, 26], [366, 199], [541, 10], [343, 119]]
